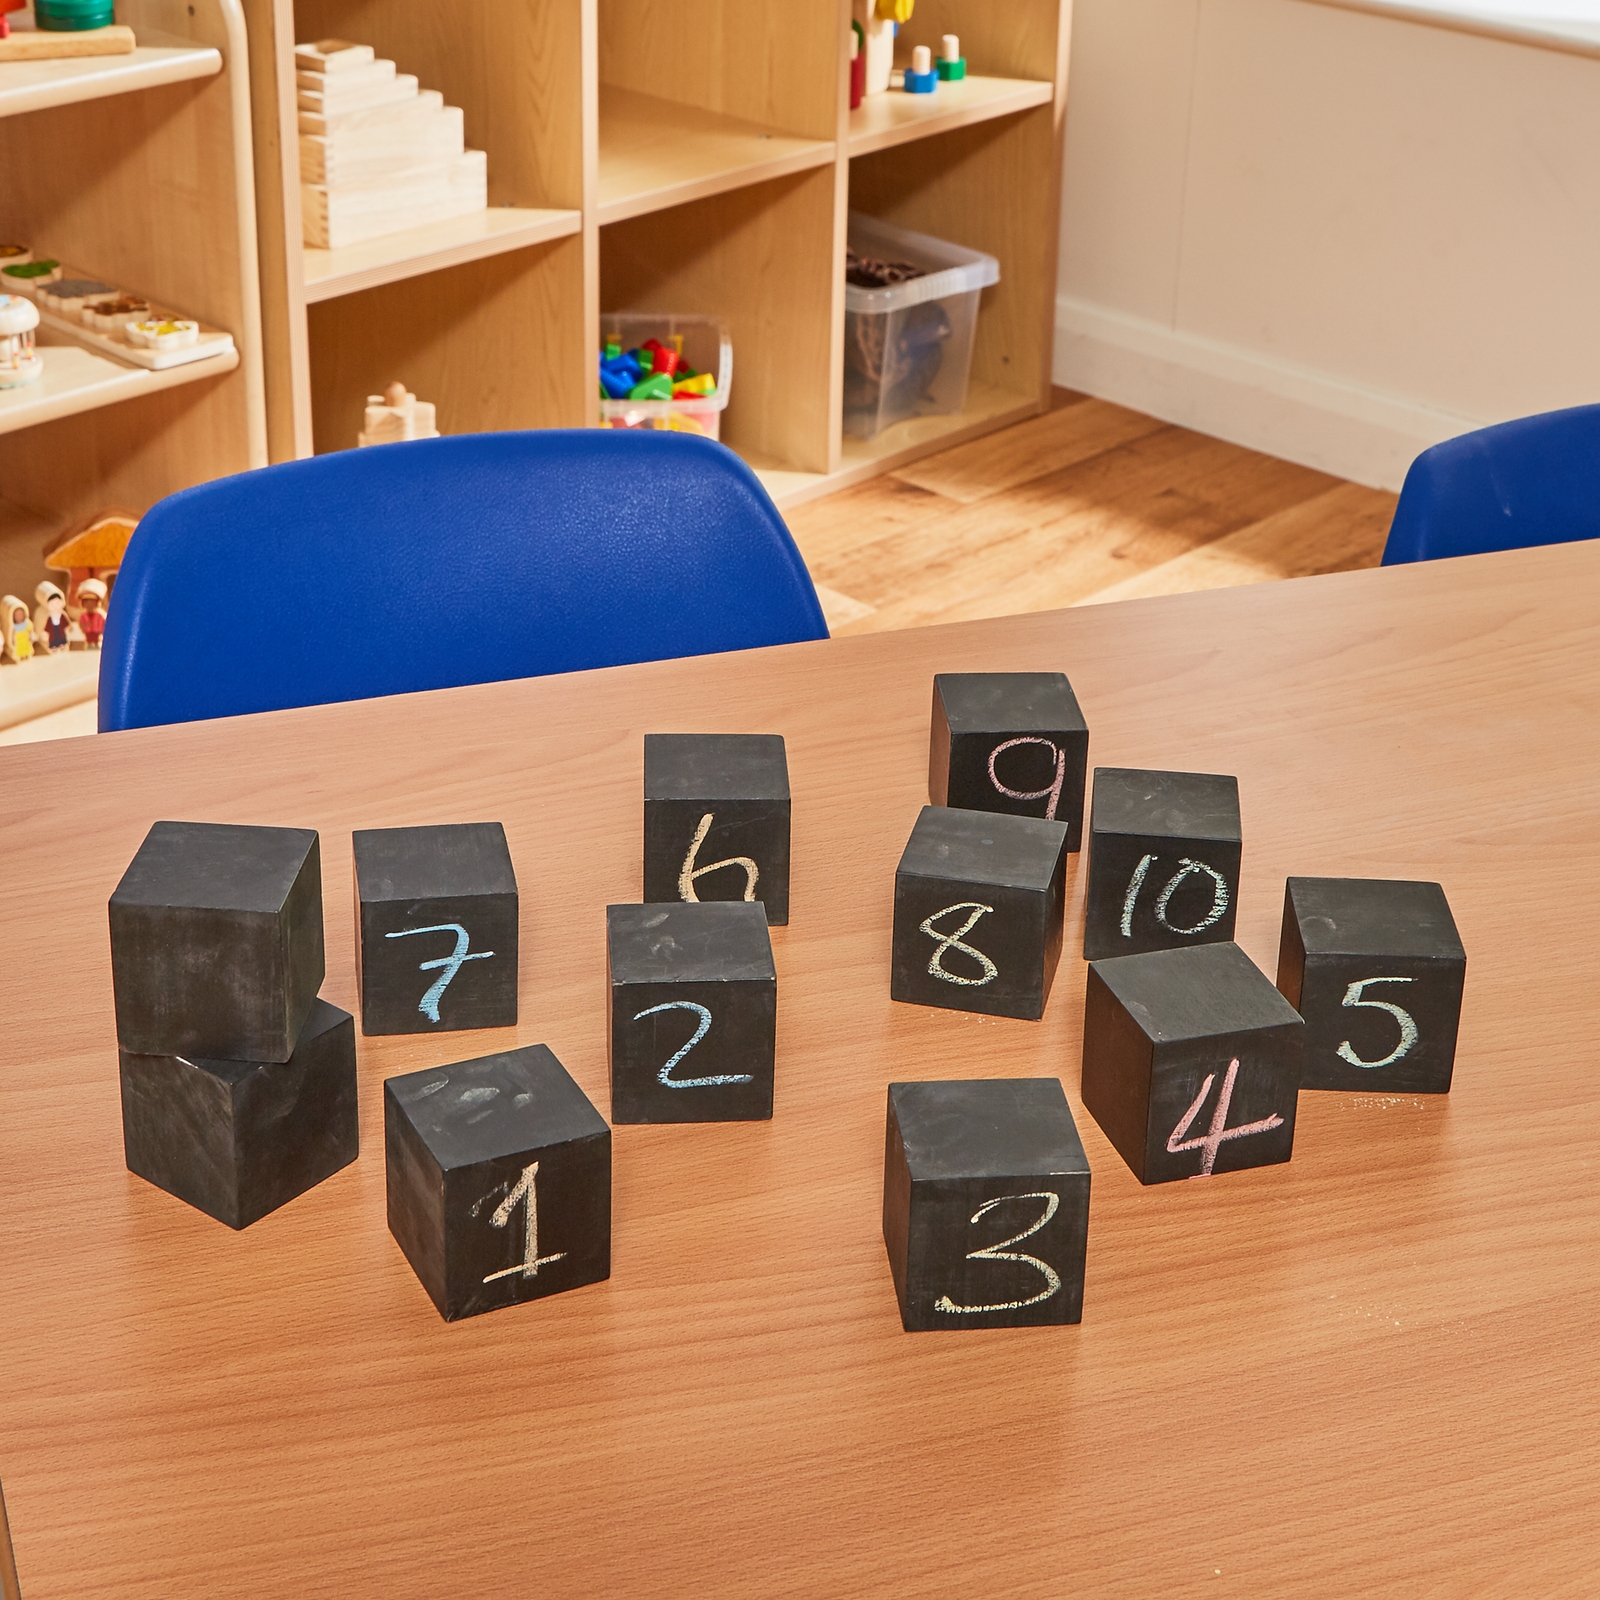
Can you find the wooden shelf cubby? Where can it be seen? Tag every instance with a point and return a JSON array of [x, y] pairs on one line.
[[693, 156], [135, 168]]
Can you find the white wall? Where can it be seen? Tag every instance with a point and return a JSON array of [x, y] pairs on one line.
[[1333, 235]]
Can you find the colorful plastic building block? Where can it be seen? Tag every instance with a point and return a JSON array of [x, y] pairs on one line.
[[652, 371], [952, 65], [920, 76]]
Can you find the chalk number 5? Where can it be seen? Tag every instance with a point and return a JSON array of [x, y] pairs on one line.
[[1408, 1026]]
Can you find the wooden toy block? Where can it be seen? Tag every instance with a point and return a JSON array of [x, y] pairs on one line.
[[1014, 742], [716, 819], [499, 1179], [1191, 1062], [216, 941], [238, 1139], [1164, 852], [436, 928], [693, 1017], [985, 1204], [978, 904], [42, 45], [1377, 969]]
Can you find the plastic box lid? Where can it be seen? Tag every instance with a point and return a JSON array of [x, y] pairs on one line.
[[951, 269]]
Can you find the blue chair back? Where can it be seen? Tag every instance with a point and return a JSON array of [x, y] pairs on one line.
[[1532, 481], [442, 562]]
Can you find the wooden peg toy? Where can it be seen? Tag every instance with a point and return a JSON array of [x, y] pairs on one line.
[[985, 1204], [920, 77], [397, 415], [952, 65]]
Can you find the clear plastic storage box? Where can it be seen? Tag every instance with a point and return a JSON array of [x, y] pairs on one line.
[[908, 348], [705, 346]]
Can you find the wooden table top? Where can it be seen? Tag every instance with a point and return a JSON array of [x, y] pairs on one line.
[[1370, 1371]]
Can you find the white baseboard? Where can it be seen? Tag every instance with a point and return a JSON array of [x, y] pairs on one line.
[[1237, 395]]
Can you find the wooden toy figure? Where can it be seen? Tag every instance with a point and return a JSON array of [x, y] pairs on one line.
[[396, 415], [92, 611], [50, 620], [879, 21], [18, 630], [20, 363]]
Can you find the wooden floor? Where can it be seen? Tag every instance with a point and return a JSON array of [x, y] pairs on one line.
[[1090, 502]]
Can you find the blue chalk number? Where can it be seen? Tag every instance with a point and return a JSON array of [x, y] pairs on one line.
[[429, 1004]]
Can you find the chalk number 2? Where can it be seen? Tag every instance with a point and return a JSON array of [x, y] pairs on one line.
[[664, 1076], [1004, 1252]]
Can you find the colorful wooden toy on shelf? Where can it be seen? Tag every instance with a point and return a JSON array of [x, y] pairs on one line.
[[395, 416], [952, 65], [920, 78], [91, 619], [15, 629], [91, 551], [52, 627], [378, 154], [5, 6], [25, 276], [858, 64], [73, 16], [879, 20], [652, 371], [40, 44], [20, 362]]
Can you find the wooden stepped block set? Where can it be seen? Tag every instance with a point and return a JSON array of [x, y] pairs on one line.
[[378, 153], [239, 1084]]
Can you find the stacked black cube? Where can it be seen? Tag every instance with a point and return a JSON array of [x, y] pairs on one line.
[[238, 1083]]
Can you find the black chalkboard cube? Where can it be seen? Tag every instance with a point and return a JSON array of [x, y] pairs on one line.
[[716, 819], [985, 1204], [1009, 741], [1191, 1062], [692, 1025], [1377, 969], [237, 1139], [436, 928], [1164, 852], [499, 1176], [216, 941], [978, 904]]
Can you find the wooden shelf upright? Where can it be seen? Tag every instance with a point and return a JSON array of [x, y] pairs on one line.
[[665, 155], [136, 168]]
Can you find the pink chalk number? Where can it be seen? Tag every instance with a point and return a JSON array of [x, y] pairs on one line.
[[1219, 1133]]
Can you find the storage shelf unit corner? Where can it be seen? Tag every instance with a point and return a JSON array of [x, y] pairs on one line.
[[682, 155], [136, 168]]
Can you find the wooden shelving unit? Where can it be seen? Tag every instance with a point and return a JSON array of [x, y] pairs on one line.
[[671, 155], [136, 168]]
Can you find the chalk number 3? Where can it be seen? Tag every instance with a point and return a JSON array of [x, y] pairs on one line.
[[1003, 1252]]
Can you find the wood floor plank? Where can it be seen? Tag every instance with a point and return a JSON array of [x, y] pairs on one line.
[[829, 530], [1028, 450], [1070, 533], [1338, 531]]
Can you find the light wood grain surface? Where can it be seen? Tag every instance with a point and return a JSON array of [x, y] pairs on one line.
[[1371, 1371]]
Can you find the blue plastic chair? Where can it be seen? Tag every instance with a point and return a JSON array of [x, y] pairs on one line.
[[1532, 481], [443, 562]]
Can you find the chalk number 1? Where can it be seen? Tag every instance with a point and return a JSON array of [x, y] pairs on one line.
[[524, 1192]]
